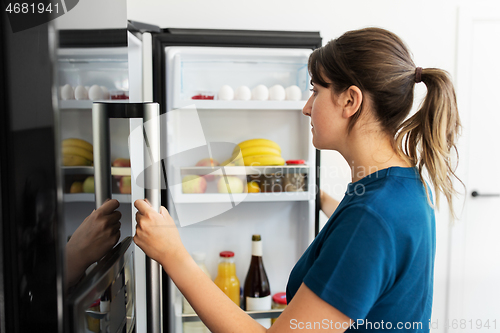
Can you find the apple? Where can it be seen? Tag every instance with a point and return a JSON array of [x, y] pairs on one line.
[[76, 187], [126, 185], [208, 162], [88, 185], [194, 184], [234, 183], [121, 163]]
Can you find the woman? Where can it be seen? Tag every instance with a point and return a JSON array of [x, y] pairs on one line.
[[371, 266]]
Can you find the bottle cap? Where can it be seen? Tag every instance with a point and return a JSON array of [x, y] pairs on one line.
[[295, 162], [199, 256], [279, 298], [256, 238], [227, 254]]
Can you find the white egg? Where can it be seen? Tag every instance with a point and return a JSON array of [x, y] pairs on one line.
[[243, 93], [67, 92], [260, 93], [95, 92], [277, 93], [81, 93], [226, 93], [105, 92], [293, 93]]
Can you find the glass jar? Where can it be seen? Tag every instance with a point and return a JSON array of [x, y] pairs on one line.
[[295, 182], [272, 182], [279, 302]]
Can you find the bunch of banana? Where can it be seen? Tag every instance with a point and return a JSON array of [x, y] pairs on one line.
[[77, 152], [258, 152]]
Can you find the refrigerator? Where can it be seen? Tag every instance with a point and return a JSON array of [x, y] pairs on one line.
[[189, 69], [144, 65]]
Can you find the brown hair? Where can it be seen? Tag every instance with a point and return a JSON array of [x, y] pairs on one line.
[[378, 62]]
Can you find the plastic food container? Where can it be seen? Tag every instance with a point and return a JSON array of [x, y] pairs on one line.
[[279, 302], [295, 182]]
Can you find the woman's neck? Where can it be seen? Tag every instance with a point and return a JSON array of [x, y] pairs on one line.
[[367, 152]]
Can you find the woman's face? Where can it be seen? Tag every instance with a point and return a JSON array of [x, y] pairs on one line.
[[328, 125]]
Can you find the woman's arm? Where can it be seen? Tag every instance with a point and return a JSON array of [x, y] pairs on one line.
[[158, 237], [328, 204]]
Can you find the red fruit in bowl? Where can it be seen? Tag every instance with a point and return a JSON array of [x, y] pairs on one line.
[[208, 162]]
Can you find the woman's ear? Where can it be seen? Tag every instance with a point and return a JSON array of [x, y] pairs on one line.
[[351, 101]]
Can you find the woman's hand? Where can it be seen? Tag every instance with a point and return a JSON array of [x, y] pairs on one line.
[[328, 204], [156, 233], [97, 234]]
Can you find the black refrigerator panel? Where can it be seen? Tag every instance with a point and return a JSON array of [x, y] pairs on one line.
[[31, 269]]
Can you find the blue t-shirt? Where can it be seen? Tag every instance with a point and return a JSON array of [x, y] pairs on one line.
[[374, 259]]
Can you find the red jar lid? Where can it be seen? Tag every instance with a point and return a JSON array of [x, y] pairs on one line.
[[279, 298], [227, 254], [295, 162]]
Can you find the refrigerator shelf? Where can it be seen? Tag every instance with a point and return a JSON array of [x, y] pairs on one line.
[[187, 317], [190, 317], [246, 170], [241, 105], [87, 170], [90, 197], [243, 197], [86, 104]]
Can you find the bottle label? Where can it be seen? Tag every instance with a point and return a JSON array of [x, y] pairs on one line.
[[257, 249], [258, 303]]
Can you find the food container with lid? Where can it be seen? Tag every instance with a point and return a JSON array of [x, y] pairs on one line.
[[279, 302], [295, 181]]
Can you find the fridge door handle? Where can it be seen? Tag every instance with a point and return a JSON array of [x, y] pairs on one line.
[[150, 113]]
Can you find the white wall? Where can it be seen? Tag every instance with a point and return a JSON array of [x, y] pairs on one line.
[[427, 26], [95, 14]]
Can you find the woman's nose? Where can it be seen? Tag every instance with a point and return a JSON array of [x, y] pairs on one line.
[[308, 107]]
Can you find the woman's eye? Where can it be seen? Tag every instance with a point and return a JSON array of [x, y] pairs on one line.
[[315, 92]]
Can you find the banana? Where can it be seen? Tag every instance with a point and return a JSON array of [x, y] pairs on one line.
[[260, 150], [256, 160], [74, 160], [77, 143], [257, 142], [72, 150]]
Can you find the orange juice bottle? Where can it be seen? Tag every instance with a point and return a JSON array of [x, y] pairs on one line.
[[226, 278]]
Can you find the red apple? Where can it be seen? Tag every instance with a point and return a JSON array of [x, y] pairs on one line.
[[208, 162], [194, 184], [122, 163], [126, 185]]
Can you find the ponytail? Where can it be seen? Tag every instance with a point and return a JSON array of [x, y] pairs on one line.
[[428, 138]]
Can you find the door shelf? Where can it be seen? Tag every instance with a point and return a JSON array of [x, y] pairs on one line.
[[242, 197], [241, 105], [90, 197], [88, 170]]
